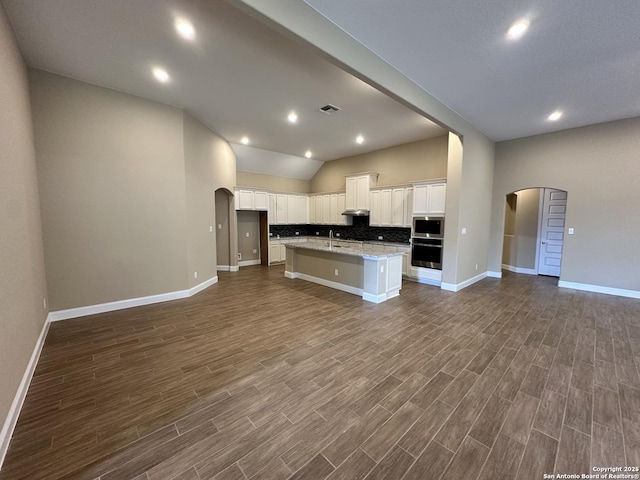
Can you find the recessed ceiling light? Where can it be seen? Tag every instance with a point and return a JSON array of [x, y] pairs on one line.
[[555, 116], [185, 29], [292, 117], [518, 29], [245, 140], [161, 74], [308, 154], [359, 139]]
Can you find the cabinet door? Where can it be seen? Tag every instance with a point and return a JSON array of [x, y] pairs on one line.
[[333, 208], [385, 207], [362, 192], [303, 209], [342, 202], [397, 207], [292, 209], [274, 252], [326, 209], [260, 200], [283, 252], [351, 187], [312, 209], [319, 212], [420, 198], [281, 209], [272, 209], [374, 212], [437, 195], [408, 207], [245, 200]]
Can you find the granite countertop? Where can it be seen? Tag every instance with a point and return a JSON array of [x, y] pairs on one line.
[[356, 249]]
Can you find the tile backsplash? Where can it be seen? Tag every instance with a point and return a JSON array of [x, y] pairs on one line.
[[360, 230]]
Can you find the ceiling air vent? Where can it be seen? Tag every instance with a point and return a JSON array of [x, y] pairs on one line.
[[329, 109]]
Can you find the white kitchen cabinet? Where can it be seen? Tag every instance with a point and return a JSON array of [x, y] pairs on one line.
[[319, 210], [312, 209], [326, 209], [260, 200], [385, 207], [333, 208], [398, 207], [374, 210], [302, 210], [408, 207], [358, 189], [271, 215], [292, 209], [244, 199], [281, 208], [274, 251], [342, 201], [429, 198]]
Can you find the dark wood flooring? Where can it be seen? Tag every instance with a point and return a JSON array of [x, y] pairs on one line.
[[269, 378]]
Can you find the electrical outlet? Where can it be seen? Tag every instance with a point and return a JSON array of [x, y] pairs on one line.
[[246, 234], [570, 232], [195, 274], [317, 233], [44, 303], [297, 233], [336, 272], [337, 235], [210, 228], [379, 237], [381, 268], [476, 266], [255, 250], [239, 256], [219, 226], [464, 230]]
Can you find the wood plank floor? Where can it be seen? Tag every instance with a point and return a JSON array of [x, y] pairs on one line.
[[269, 378]]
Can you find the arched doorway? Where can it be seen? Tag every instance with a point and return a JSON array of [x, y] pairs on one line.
[[534, 231]]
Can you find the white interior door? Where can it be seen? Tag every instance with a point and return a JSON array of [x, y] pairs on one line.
[[554, 208]]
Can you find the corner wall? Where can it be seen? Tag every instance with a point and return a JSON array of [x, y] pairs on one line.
[[22, 279], [598, 167]]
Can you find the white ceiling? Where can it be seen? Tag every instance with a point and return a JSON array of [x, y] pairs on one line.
[[578, 56], [238, 77]]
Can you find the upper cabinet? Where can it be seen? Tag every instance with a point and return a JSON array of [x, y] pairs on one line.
[[390, 207], [429, 198], [327, 208], [251, 199], [357, 190]]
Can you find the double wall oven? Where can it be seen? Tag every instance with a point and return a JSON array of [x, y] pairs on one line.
[[427, 234]]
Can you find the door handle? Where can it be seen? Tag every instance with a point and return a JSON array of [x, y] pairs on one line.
[[543, 243]]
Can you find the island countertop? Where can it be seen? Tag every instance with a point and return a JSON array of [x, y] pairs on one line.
[[355, 249]]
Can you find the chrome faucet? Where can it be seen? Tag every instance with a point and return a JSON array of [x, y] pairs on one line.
[[330, 238]]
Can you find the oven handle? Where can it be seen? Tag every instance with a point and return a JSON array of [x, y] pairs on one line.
[[426, 246]]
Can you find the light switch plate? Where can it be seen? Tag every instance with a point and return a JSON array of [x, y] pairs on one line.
[[570, 231]]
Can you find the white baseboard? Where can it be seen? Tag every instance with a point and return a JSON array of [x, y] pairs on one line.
[[129, 303], [14, 412], [247, 263], [494, 274], [527, 271], [459, 286], [223, 268], [234, 268], [620, 292], [326, 283]]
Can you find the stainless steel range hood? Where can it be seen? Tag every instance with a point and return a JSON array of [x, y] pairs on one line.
[[360, 212]]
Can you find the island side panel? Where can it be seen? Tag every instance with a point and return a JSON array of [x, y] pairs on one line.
[[322, 265]]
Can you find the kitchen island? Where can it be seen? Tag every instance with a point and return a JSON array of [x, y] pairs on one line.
[[361, 270]]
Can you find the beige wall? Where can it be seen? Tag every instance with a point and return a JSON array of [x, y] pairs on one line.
[[112, 185], [598, 167], [22, 275], [398, 165], [273, 183], [248, 223], [209, 164]]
